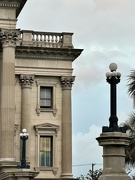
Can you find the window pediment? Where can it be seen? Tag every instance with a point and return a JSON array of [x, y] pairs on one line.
[[46, 128]]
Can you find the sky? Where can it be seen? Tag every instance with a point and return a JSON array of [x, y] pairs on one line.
[[105, 29]]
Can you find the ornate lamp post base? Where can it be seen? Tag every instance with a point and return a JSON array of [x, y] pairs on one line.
[[114, 129], [26, 166], [113, 155]]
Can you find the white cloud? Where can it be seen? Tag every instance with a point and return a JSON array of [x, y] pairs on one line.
[[86, 149]]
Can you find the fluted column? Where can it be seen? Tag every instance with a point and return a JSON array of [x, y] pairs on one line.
[[66, 83], [26, 84], [7, 115]]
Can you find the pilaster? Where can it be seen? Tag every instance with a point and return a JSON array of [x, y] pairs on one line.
[[66, 84], [26, 82]]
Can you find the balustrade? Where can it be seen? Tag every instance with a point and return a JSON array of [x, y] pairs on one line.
[[46, 39]]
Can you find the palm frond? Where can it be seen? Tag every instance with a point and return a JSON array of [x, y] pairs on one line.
[[131, 85], [129, 125]]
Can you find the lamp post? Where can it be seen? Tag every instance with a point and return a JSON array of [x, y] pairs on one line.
[[23, 136], [113, 78]]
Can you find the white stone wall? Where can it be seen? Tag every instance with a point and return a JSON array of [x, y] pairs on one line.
[[53, 70]]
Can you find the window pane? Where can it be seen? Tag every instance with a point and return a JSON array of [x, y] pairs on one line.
[[46, 97], [46, 151], [45, 103], [45, 92]]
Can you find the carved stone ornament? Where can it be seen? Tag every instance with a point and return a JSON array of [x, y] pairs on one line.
[[9, 36], [67, 81], [55, 170], [26, 80], [16, 128]]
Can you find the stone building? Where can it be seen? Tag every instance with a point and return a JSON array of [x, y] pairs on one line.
[[35, 93]]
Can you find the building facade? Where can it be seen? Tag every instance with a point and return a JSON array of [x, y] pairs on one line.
[[35, 87]]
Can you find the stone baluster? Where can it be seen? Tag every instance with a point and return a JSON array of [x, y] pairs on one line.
[[8, 40], [26, 84], [66, 83]]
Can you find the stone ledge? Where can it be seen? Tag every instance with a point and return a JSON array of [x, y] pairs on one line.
[[113, 138]]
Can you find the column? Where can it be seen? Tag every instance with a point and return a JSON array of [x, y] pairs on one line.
[[8, 40], [66, 83], [26, 84]]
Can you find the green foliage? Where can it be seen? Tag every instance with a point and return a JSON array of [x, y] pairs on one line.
[[91, 175], [129, 125], [130, 149], [131, 85]]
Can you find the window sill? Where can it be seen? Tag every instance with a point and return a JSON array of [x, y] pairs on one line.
[[42, 168], [38, 110]]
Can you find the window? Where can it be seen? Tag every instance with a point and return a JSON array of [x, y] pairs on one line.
[[46, 151], [46, 147], [46, 97]]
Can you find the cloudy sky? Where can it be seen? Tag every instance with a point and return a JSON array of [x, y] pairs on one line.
[[105, 29]]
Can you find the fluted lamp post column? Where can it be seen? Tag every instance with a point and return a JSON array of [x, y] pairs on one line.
[[23, 136], [113, 138]]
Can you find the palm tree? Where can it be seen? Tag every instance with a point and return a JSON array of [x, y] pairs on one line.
[[129, 125], [131, 85]]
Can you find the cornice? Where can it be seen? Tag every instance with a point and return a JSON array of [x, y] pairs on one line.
[[47, 53], [20, 7], [18, 4]]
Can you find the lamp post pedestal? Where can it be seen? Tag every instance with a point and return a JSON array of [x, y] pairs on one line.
[[113, 155]]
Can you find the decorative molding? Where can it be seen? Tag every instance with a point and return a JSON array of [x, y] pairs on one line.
[[46, 127], [53, 169], [47, 53], [67, 82], [15, 130], [9, 37], [26, 80], [9, 4], [38, 110], [46, 83]]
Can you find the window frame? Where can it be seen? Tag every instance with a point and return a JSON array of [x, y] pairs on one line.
[[51, 84], [45, 130], [51, 98]]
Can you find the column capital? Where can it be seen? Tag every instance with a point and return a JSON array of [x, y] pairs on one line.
[[67, 82], [26, 80], [9, 37]]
